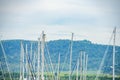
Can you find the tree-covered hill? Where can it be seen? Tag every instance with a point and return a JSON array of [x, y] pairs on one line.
[[94, 51]]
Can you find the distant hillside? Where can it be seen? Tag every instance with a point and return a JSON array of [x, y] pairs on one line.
[[94, 51]]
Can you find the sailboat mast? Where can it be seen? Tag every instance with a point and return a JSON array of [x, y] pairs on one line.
[[34, 61], [81, 63], [58, 67], [71, 57], [77, 69], [42, 54], [31, 51], [84, 65], [38, 65], [86, 62], [114, 32], [26, 62], [23, 61]]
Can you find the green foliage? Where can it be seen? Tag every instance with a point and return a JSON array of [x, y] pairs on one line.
[[65, 76]]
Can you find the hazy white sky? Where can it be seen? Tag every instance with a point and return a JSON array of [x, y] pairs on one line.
[[87, 19]]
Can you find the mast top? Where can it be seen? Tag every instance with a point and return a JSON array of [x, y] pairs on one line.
[[114, 31]]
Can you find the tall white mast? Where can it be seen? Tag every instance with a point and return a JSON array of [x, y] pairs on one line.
[[30, 61], [34, 61], [22, 63], [31, 51], [83, 65], [81, 75], [70, 67], [42, 54], [38, 64], [86, 61], [58, 67], [26, 62], [114, 32], [77, 69]]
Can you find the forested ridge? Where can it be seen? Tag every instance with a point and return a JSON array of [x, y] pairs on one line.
[[94, 51]]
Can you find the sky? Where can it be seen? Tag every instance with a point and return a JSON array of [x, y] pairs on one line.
[[93, 20]]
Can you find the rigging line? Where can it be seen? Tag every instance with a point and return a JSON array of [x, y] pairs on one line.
[[29, 65], [35, 55], [2, 70], [31, 51], [13, 75], [49, 58], [26, 63], [65, 58], [45, 66], [75, 65], [56, 64], [34, 61], [74, 68], [49, 69], [46, 69], [38, 58], [77, 69], [5, 57], [35, 66], [103, 59], [107, 62]]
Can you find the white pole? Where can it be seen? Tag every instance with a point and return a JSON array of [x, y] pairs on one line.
[[58, 67], [34, 61], [38, 65], [31, 52], [42, 54], [26, 63], [81, 66], [20, 62], [23, 60], [114, 32], [77, 69], [70, 67], [86, 66]]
